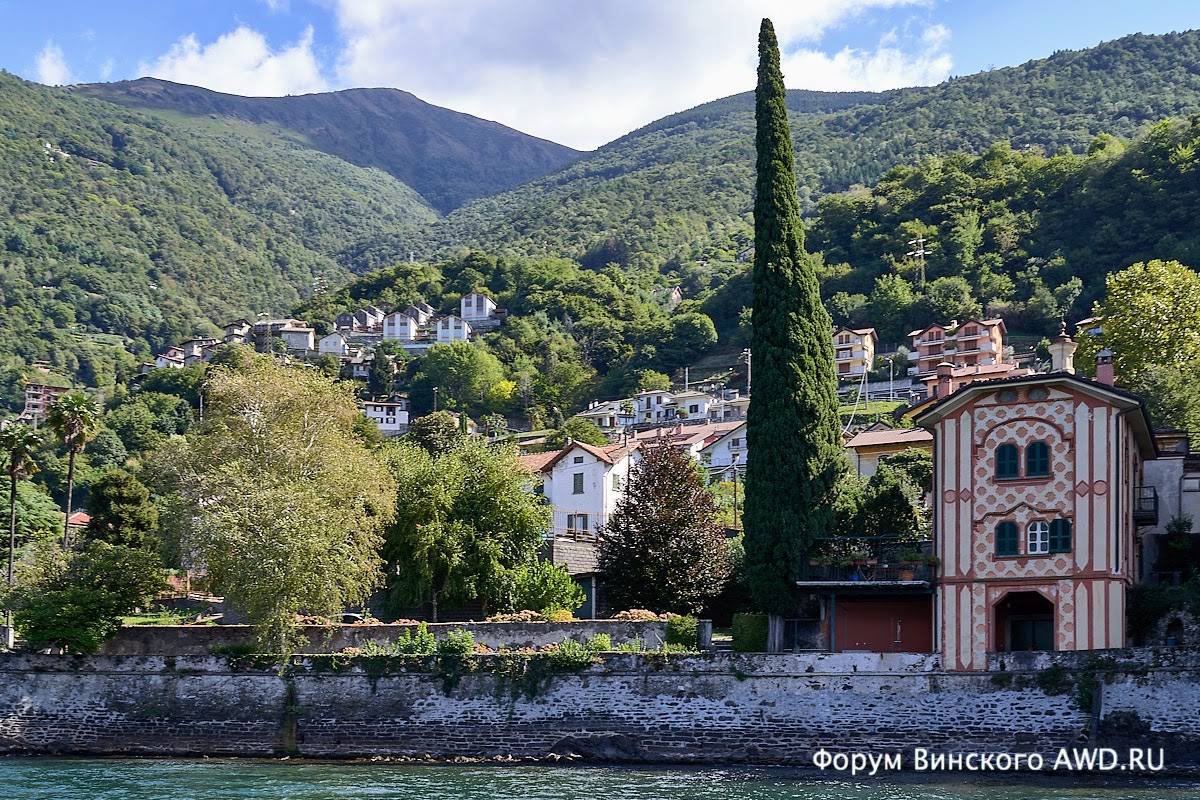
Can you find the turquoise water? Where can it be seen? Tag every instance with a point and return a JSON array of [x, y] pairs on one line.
[[125, 779]]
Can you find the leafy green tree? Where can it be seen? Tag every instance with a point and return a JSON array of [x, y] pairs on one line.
[[661, 547], [792, 431], [39, 518], [17, 442], [949, 298], [1150, 317], [381, 376], [578, 430], [1172, 395], [285, 505], [914, 465], [889, 305], [464, 523], [889, 506], [543, 587], [76, 599], [463, 372], [121, 512], [75, 419], [435, 433]]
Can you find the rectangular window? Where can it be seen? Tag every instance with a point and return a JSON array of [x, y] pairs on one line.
[[1037, 460], [616, 482], [577, 524], [1006, 539], [1007, 461], [577, 460], [1191, 484], [1039, 539], [577, 483], [1060, 536]]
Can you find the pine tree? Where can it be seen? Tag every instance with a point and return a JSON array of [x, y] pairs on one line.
[[794, 442], [662, 548]]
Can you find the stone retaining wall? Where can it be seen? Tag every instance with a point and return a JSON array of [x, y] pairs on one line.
[[704, 708]]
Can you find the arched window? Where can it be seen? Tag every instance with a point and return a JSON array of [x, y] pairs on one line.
[[1007, 461], [1006, 539], [1037, 460], [1039, 539], [1060, 536]]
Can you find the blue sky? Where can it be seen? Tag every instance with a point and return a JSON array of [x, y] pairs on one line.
[[578, 72]]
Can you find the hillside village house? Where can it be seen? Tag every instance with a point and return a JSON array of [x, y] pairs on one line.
[[401, 327], [869, 447], [1038, 492], [453, 329], [42, 390], [969, 344], [390, 416], [854, 351], [582, 483]]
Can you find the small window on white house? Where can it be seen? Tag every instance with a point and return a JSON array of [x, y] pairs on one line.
[[616, 482], [577, 524], [577, 460], [1191, 484], [577, 483]]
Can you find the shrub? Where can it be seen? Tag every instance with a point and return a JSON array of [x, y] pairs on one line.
[[634, 645], [518, 616], [750, 633], [559, 615], [600, 643], [683, 631], [570, 655], [416, 643], [637, 615], [457, 643]]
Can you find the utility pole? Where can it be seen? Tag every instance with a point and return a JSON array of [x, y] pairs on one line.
[[747, 357], [918, 251], [435, 394]]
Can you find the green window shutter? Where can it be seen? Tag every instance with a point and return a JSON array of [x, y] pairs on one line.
[[1060, 536], [577, 483], [1037, 460], [1006, 539], [1007, 461]]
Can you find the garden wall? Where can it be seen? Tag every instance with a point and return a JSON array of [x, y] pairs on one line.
[[185, 640], [712, 708]]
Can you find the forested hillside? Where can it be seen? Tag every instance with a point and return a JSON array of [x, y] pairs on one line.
[[679, 189], [447, 157], [120, 232]]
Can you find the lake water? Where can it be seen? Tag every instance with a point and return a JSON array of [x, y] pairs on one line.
[[216, 779]]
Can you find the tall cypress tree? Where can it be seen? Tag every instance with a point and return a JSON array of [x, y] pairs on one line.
[[793, 436]]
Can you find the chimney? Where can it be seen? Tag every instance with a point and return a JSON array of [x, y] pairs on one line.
[[1062, 352], [945, 371], [1104, 367]]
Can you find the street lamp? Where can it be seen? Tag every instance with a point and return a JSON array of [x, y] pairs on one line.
[[435, 394]]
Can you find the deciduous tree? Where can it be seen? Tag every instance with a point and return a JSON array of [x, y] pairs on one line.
[[286, 504], [464, 523]]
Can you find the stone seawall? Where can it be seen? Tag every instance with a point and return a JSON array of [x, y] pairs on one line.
[[708, 708]]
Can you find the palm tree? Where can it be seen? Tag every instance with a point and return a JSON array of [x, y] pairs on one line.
[[75, 418], [18, 442]]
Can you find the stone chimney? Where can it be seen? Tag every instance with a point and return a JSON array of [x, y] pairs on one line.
[[945, 371], [1104, 367], [1062, 352]]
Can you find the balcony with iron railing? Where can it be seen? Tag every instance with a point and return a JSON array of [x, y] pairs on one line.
[[1145, 505], [871, 563]]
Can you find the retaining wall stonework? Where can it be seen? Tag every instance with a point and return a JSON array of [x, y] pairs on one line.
[[704, 708]]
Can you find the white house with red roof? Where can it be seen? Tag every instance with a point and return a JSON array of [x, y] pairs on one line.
[[582, 483]]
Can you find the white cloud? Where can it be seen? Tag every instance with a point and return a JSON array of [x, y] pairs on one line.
[[885, 67], [241, 62], [52, 67], [583, 74]]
